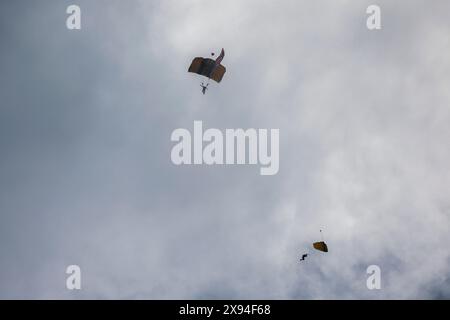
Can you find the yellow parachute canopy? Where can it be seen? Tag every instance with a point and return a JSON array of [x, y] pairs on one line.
[[321, 246], [208, 68]]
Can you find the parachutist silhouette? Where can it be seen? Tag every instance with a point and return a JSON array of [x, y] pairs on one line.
[[204, 88], [303, 257], [209, 68]]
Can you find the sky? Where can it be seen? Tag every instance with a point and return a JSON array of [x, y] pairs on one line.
[[86, 176]]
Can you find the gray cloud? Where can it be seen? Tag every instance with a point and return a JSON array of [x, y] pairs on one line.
[[85, 170]]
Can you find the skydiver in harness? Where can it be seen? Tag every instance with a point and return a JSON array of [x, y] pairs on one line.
[[204, 88]]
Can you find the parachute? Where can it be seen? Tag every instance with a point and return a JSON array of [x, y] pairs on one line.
[[212, 69], [321, 246]]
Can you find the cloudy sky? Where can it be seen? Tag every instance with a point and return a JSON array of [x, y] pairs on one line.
[[86, 176]]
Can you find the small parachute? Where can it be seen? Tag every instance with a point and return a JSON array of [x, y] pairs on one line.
[[212, 69], [321, 246]]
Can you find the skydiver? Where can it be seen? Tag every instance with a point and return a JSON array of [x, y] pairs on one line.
[[303, 257], [204, 88]]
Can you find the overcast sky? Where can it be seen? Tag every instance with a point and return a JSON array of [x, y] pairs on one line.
[[86, 176]]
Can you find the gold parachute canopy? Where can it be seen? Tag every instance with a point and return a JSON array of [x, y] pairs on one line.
[[207, 67], [321, 246], [212, 69]]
